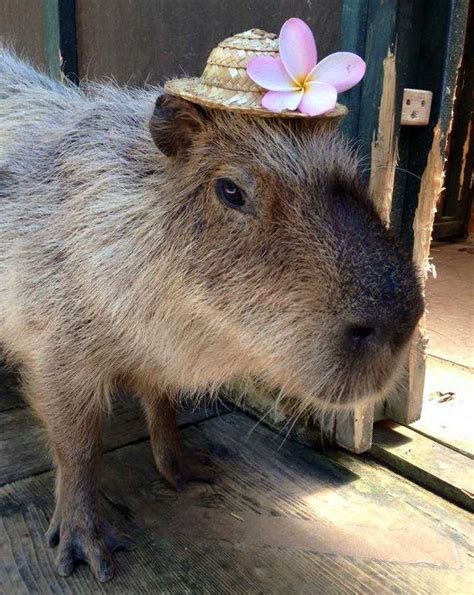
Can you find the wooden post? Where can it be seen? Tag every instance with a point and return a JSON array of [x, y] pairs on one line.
[[425, 57], [406, 408], [376, 130], [59, 39], [52, 52]]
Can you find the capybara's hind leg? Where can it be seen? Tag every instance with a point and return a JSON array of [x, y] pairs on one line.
[[72, 415], [175, 463]]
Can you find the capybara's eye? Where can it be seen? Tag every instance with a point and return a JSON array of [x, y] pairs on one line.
[[230, 194]]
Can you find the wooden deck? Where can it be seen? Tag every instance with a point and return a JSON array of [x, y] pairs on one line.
[[284, 518]]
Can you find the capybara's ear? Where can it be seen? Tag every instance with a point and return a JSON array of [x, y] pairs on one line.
[[174, 123]]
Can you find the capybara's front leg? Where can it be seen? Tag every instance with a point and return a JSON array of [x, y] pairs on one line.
[[73, 423], [176, 464]]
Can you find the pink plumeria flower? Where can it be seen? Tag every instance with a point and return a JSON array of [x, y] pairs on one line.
[[295, 81]]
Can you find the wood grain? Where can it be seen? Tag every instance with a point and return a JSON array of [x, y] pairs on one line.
[[23, 449], [441, 469], [25, 35], [281, 520], [152, 40]]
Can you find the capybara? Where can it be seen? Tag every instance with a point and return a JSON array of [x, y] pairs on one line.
[[152, 245]]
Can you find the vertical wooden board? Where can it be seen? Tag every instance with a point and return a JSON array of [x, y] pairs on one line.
[[409, 19], [151, 40], [441, 46], [21, 26], [377, 134], [68, 39], [384, 148], [430, 189], [405, 404], [51, 38], [353, 39], [454, 211], [354, 428], [380, 38]]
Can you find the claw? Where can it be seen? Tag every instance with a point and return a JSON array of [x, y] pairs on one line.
[[92, 546], [65, 562]]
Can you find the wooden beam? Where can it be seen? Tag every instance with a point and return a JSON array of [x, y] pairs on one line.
[[59, 38], [384, 148], [51, 44], [444, 71], [377, 126], [354, 428], [353, 39], [430, 464]]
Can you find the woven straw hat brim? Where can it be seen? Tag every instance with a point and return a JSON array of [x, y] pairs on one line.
[[244, 102]]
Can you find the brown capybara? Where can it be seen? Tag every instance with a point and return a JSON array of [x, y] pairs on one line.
[[156, 246]]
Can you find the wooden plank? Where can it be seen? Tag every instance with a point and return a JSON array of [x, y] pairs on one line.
[[281, 520], [380, 39], [51, 38], [389, 31], [24, 35], [59, 39], [353, 39], [448, 406], [23, 450], [170, 38], [377, 135], [459, 174], [354, 428], [435, 466], [405, 404], [441, 45], [384, 146]]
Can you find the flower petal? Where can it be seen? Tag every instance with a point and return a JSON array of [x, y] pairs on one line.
[[342, 70], [297, 49], [270, 74], [278, 101], [318, 99]]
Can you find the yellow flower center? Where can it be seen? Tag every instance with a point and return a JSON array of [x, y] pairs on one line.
[[302, 83]]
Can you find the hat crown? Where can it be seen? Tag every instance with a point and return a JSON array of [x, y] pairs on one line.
[[226, 65], [253, 39]]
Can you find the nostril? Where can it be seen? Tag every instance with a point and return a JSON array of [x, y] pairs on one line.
[[359, 334]]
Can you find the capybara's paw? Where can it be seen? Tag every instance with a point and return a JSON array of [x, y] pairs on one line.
[[93, 545], [189, 467]]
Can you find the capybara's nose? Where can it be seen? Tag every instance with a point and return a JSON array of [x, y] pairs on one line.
[[365, 336], [360, 336]]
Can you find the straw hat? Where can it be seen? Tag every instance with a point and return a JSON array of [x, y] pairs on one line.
[[225, 84]]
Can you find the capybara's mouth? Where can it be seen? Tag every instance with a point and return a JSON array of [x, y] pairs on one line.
[[369, 380]]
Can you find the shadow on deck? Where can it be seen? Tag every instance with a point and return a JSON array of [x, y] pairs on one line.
[[283, 518]]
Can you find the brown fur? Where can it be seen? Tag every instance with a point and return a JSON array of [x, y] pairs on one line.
[[120, 267]]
